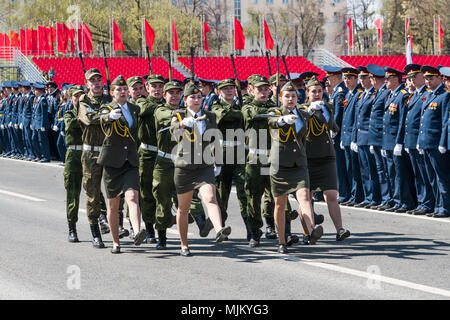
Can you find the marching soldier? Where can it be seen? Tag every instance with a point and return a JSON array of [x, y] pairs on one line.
[[399, 166], [431, 140], [425, 196], [92, 137]]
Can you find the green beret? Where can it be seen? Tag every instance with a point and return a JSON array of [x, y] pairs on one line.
[[226, 83], [155, 78], [313, 82], [119, 81], [92, 72], [273, 79], [75, 90], [259, 80], [288, 87], [191, 89], [133, 80], [172, 85]]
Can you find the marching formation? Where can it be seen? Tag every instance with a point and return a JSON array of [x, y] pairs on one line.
[[362, 137]]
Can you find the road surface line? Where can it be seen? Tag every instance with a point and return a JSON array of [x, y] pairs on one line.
[[357, 273], [22, 196], [46, 164]]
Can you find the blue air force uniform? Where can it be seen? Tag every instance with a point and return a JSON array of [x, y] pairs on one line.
[[40, 124], [27, 112]]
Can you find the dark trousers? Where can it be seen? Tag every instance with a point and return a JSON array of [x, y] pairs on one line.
[[255, 186], [369, 176], [5, 142], [354, 173], [385, 185], [438, 169], [402, 177], [425, 196], [44, 145], [61, 146], [11, 140], [17, 136], [27, 137], [344, 189]]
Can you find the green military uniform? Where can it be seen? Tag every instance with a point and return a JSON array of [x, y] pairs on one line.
[[256, 183], [229, 117], [73, 171], [92, 137]]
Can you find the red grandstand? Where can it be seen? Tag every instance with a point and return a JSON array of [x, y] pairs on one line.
[[396, 62]]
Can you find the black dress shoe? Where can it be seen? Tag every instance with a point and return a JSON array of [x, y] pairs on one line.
[[140, 237], [222, 234], [73, 237], [307, 240], [401, 210], [294, 214], [115, 250], [393, 209], [123, 232], [316, 234], [97, 237], [342, 234], [282, 249], [318, 218], [270, 232], [384, 207], [185, 252], [421, 212], [412, 211], [361, 205], [441, 215], [347, 202], [291, 239], [350, 204]]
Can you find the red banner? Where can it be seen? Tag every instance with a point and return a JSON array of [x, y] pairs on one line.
[[206, 29], [239, 38], [15, 42], [380, 32], [350, 33], [117, 37], [34, 44], [268, 37], [63, 37], [149, 36], [441, 34], [175, 46], [87, 40]]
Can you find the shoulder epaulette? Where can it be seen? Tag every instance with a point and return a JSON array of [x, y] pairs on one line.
[[403, 91], [429, 90], [446, 90], [359, 90]]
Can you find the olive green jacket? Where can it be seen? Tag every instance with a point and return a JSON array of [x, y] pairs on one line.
[[72, 128], [146, 121], [89, 118]]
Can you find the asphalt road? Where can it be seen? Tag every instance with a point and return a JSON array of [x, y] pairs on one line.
[[388, 256]]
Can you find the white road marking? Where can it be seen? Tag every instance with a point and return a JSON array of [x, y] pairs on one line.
[[353, 272], [22, 196], [53, 164]]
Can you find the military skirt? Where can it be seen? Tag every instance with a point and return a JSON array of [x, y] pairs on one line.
[[120, 180], [190, 179], [322, 174], [288, 180]]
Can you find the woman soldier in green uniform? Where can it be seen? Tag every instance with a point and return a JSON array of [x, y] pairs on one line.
[[194, 164], [321, 156], [288, 163], [119, 122]]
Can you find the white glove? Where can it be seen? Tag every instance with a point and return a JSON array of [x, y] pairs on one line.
[[55, 128], [289, 119], [16, 126], [217, 171], [354, 147], [188, 122], [10, 124], [115, 114], [63, 134], [21, 126], [398, 150], [420, 150], [342, 145], [31, 127], [383, 153], [317, 105], [333, 134], [407, 150], [2, 127], [372, 150], [42, 129], [442, 150]]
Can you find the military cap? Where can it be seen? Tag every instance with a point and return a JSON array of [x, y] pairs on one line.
[[75, 90], [412, 69], [154, 78], [392, 72], [273, 78], [25, 83], [92, 72], [188, 80], [347, 71], [289, 86], [445, 71], [226, 83], [363, 71], [133, 80], [51, 84], [6, 84], [207, 81], [306, 76], [259, 80], [376, 71], [332, 70], [429, 71], [190, 89], [243, 84], [119, 81], [313, 82], [38, 85], [14, 84], [172, 85]]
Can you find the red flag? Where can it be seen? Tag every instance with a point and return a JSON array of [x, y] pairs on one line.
[[43, 40], [149, 36], [2, 40], [239, 38], [15, 39], [87, 40], [175, 46], [441, 34], [117, 37], [268, 36], [206, 29], [23, 41], [411, 38], [52, 38], [350, 33], [80, 37], [34, 42], [72, 36], [380, 31], [63, 37]]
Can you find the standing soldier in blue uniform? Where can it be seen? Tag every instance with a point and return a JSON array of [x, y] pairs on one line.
[[7, 118], [425, 196], [27, 111], [348, 120], [360, 142], [4, 143], [58, 124], [14, 118], [432, 138], [337, 98], [399, 166], [209, 96], [53, 95], [41, 123]]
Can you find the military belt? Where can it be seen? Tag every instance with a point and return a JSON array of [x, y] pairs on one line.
[[149, 147], [166, 155], [231, 143], [259, 151], [91, 148], [77, 148]]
